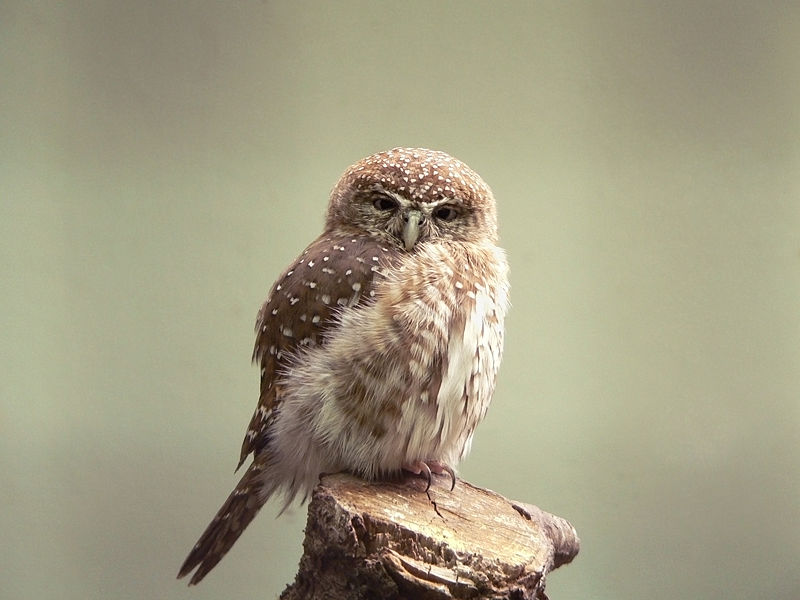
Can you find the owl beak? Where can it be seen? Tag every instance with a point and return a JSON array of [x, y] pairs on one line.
[[411, 228]]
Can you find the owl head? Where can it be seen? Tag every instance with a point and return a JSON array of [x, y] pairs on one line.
[[409, 196]]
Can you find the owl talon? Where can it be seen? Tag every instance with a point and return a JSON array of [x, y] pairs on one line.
[[428, 476], [426, 469], [452, 474], [440, 468]]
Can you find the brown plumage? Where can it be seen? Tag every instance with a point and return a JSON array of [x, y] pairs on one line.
[[379, 345]]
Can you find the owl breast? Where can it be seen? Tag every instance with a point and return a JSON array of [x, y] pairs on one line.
[[441, 427], [404, 377]]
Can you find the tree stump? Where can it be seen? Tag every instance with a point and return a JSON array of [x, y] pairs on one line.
[[394, 540]]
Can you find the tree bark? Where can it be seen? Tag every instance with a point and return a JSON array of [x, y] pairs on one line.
[[394, 540]]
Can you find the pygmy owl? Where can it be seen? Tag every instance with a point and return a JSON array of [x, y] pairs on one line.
[[379, 346]]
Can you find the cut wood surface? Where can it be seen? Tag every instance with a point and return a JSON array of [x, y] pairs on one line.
[[394, 540]]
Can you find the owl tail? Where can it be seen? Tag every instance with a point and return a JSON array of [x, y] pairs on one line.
[[230, 521]]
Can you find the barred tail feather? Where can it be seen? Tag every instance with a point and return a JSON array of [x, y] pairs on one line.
[[230, 521]]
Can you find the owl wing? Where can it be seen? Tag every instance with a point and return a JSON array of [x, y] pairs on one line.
[[302, 308]]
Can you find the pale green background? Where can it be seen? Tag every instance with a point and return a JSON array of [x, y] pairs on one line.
[[161, 162]]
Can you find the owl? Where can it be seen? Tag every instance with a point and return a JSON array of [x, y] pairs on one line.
[[379, 345]]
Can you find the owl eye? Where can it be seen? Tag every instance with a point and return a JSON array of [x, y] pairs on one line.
[[384, 203], [445, 213]]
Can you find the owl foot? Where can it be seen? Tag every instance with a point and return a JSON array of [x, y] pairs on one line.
[[426, 468]]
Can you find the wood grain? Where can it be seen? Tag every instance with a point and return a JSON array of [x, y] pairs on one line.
[[395, 540]]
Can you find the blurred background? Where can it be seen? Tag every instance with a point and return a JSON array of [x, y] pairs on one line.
[[162, 162]]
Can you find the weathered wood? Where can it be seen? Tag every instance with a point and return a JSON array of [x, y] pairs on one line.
[[394, 540]]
